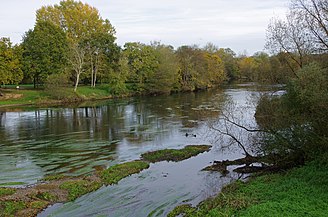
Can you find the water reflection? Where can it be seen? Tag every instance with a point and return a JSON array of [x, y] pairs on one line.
[[76, 140]]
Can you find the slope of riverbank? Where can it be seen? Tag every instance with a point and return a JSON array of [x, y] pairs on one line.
[[40, 97], [298, 192]]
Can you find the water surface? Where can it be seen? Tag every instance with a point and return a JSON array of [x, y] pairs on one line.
[[76, 140]]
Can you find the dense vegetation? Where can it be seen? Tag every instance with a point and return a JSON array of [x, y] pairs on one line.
[[71, 44]]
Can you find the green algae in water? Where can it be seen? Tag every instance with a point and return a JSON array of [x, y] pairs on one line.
[[77, 188], [117, 172], [175, 154]]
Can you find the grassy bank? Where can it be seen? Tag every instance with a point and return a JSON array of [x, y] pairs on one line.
[[299, 192], [28, 96]]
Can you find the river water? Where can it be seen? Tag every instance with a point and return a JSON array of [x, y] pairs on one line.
[[76, 140]]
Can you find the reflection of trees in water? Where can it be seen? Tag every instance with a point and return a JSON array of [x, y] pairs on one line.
[[63, 139]]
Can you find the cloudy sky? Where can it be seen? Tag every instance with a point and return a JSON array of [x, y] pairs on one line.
[[237, 24]]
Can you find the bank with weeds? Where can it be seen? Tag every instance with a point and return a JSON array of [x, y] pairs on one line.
[[301, 191]]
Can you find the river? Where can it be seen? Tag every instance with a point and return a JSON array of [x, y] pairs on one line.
[[76, 140]]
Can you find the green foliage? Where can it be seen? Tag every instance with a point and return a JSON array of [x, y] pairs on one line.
[[47, 196], [165, 77], [77, 188], [38, 204], [9, 208], [199, 69], [10, 65], [299, 192], [7, 191], [114, 174], [45, 51], [297, 121], [117, 79], [90, 37], [185, 209], [175, 154], [142, 63]]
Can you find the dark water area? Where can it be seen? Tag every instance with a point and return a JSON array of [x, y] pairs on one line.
[[76, 140]]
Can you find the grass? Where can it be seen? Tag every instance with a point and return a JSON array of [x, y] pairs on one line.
[[299, 192], [46, 196], [88, 92], [77, 188], [7, 191], [9, 208], [117, 172], [12, 183], [28, 96], [175, 154], [23, 97]]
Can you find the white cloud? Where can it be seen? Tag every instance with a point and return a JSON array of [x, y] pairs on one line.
[[238, 24]]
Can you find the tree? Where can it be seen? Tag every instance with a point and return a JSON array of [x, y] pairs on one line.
[[230, 63], [142, 64], [10, 65], [45, 50], [247, 68], [288, 37], [88, 33], [313, 14], [187, 72], [102, 55], [165, 77]]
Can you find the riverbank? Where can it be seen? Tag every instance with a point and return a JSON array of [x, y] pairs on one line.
[[40, 97], [298, 192]]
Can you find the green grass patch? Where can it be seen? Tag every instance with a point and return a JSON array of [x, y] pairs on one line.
[[185, 209], [7, 191], [175, 154], [77, 188], [9, 208], [47, 196], [12, 183], [18, 97], [97, 92], [114, 174], [38, 204], [299, 192]]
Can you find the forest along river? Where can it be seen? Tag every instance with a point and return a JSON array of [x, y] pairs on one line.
[[75, 141]]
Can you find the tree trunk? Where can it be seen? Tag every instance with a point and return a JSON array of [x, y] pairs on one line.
[[77, 81]]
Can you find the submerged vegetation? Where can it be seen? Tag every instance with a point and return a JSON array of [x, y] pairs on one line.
[[175, 154], [115, 173], [58, 188]]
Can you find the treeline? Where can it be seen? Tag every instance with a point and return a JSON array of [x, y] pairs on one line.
[[72, 44]]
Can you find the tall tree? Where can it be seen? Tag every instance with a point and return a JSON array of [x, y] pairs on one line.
[[10, 65], [45, 50], [85, 29]]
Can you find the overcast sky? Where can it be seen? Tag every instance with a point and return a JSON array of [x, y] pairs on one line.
[[237, 24]]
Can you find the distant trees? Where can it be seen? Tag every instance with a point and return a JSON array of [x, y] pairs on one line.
[[71, 40], [10, 66], [199, 68]]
